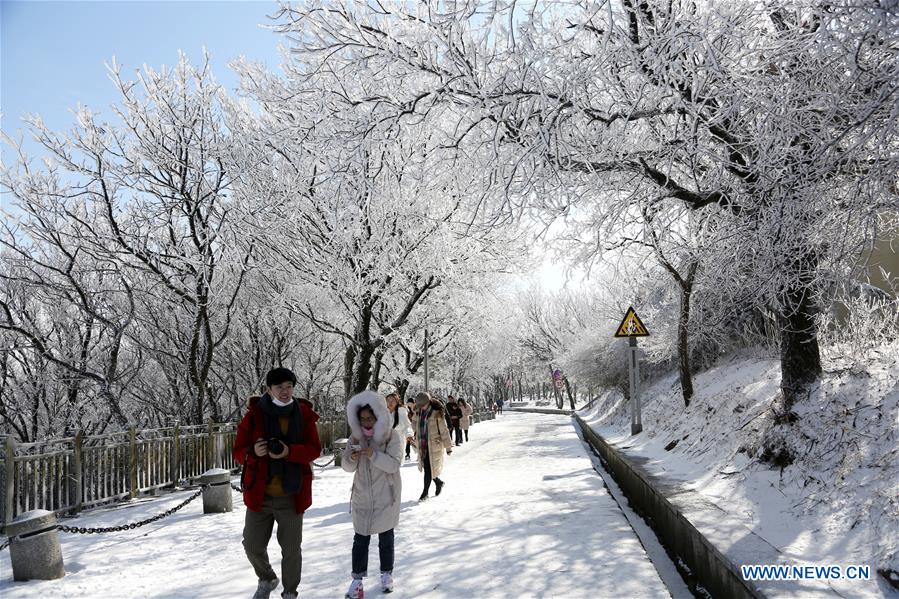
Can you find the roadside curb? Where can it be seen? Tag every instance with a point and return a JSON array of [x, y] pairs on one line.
[[713, 570], [541, 411], [686, 523]]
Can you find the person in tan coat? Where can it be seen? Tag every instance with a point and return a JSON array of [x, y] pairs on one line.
[[432, 439], [374, 454]]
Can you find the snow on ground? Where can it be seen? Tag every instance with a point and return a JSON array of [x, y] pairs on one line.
[[523, 514], [836, 503]]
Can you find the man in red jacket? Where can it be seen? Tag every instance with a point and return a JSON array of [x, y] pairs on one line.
[[276, 442]]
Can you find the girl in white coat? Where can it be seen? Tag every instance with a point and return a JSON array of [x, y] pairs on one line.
[[374, 454], [400, 420]]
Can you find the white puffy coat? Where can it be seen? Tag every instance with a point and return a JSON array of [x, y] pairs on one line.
[[404, 426], [377, 486]]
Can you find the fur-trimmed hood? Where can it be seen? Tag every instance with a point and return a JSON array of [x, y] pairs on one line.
[[384, 425]]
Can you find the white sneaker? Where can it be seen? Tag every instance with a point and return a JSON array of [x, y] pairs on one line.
[[265, 588], [355, 591], [386, 582]]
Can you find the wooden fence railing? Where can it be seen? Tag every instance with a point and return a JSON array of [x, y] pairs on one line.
[[75, 473]]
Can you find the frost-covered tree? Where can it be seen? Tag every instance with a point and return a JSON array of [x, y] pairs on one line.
[[148, 192], [366, 234], [784, 115]]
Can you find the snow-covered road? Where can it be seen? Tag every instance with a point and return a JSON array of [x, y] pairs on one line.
[[523, 514]]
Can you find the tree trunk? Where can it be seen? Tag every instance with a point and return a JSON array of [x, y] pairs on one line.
[[683, 345], [362, 369], [568, 391], [376, 372], [401, 386], [348, 359], [800, 357]]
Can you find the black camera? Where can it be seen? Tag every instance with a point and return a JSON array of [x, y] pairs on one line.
[[275, 445]]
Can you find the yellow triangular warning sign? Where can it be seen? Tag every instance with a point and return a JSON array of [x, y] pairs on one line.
[[631, 326]]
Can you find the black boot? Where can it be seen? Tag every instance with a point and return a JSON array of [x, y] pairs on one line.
[[439, 484], [424, 494]]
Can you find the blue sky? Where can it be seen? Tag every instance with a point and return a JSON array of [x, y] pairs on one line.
[[52, 54]]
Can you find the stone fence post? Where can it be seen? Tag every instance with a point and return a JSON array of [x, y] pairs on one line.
[[216, 496], [34, 546]]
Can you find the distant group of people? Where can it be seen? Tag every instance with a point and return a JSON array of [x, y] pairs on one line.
[[276, 442], [458, 417]]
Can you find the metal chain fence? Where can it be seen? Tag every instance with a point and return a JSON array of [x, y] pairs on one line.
[[129, 526], [156, 518], [325, 465], [132, 525]]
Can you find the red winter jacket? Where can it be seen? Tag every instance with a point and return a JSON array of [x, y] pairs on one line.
[[250, 430]]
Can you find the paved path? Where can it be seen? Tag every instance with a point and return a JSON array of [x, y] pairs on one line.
[[523, 514]]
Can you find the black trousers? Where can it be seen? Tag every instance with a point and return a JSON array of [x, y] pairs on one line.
[[360, 553], [427, 488], [457, 428], [408, 447], [466, 435], [428, 475]]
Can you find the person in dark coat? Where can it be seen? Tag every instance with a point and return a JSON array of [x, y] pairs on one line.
[[446, 414], [455, 414], [276, 442]]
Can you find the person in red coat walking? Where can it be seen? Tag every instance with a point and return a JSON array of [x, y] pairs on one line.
[[276, 442]]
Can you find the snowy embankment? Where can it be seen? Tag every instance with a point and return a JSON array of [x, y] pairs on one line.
[[523, 514], [822, 490]]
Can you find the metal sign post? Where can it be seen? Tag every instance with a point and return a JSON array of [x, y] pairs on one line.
[[632, 327], [634, 375], [556, 380]]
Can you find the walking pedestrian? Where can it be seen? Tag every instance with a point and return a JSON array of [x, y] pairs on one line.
[[401, 422], [432, 438], [467, 411], [455, 414], [410, 442], [374, 455], [446, 414], [276, 442]]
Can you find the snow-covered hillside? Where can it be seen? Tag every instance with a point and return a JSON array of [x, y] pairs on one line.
[[824, 489]]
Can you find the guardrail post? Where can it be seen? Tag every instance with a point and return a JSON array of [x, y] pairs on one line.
[[175, 463], [132, 462], [210, 447], [9, 480], [217, 492], [76, 490], [339, 446]]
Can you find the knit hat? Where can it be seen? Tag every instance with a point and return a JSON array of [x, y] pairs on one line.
[[279, 375]]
